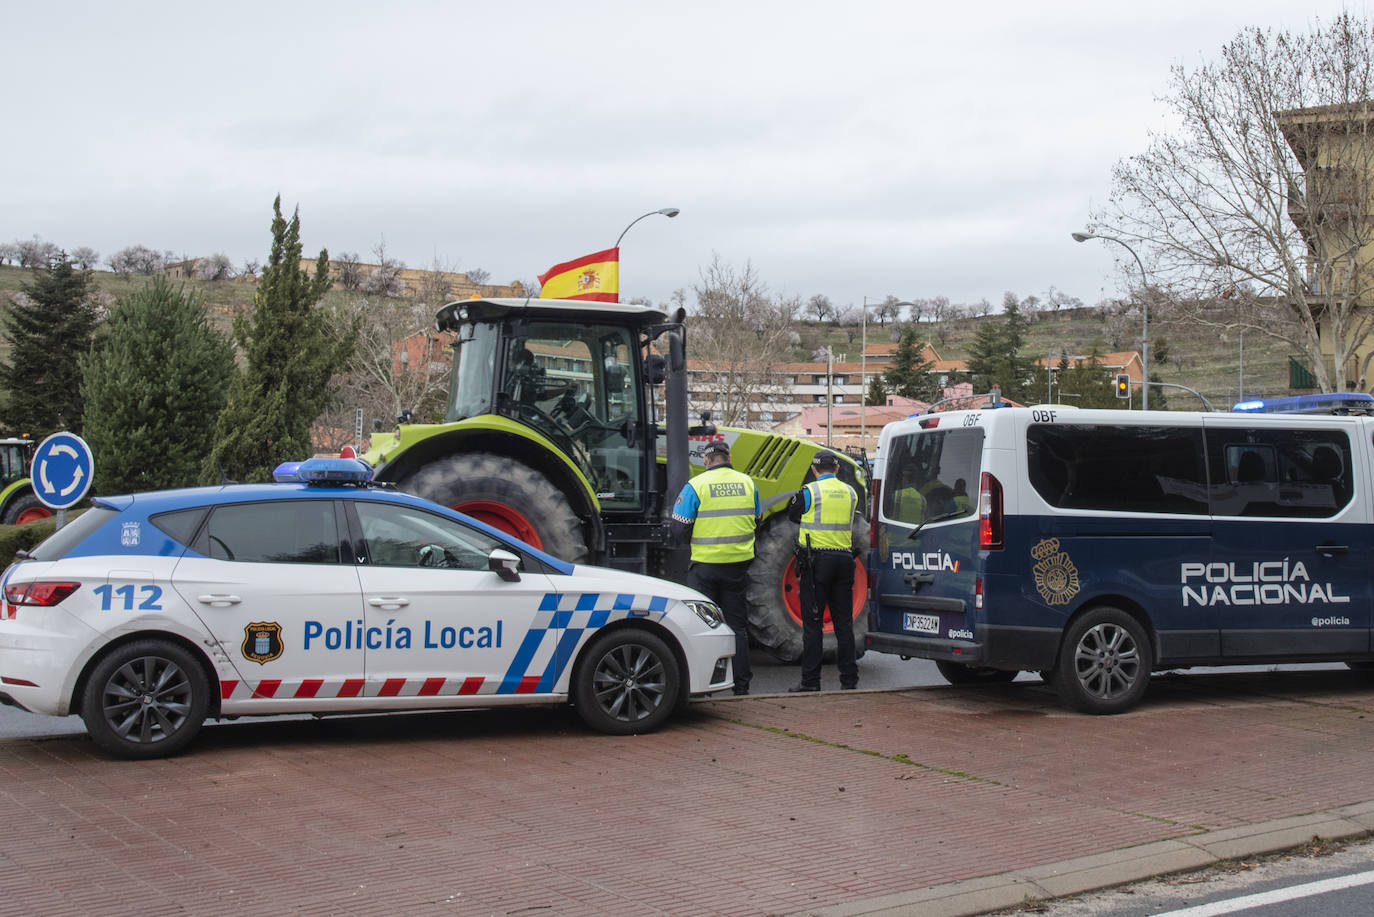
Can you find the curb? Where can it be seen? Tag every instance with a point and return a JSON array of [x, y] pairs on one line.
[[1106, 870]]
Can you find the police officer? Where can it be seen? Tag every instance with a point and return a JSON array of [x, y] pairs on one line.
[[825, 542], [721, 507]]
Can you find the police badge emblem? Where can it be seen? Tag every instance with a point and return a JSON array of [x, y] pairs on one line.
[[1056, 578], [262, 641]]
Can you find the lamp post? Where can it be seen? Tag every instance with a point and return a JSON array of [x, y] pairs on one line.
[[669, 212], [1144, 312]]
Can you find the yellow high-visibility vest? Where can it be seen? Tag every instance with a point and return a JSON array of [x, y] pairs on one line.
[[829, 519], [723, 532]]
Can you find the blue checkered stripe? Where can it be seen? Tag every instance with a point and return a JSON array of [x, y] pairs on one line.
[[559, 626]]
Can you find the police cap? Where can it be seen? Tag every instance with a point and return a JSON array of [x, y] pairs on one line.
[[718, 447], [826, 459]]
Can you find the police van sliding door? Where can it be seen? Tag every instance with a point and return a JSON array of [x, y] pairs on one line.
[[1289, 573]]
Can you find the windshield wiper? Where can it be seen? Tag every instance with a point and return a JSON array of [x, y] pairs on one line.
[[940, 518]]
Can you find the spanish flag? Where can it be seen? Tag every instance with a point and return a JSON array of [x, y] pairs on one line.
[[594, 277]]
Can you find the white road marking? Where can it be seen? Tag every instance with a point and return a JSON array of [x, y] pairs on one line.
[[1294, 892]]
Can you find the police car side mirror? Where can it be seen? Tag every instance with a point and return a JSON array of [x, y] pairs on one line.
[[504, 564]]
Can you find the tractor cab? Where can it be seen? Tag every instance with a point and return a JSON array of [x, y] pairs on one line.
[[575, 372], [14, 459]]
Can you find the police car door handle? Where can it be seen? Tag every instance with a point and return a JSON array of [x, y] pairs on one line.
[[218, 600], [1331, 550], [388, 601]]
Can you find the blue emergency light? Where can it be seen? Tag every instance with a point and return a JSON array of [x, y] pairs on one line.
[[1321, 403], [324, 471]]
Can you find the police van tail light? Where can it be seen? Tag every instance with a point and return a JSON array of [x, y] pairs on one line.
[[978, 593], [989, 513], [877, 501], [43, 593]]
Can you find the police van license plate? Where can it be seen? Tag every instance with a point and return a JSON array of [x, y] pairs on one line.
[[925, 624]]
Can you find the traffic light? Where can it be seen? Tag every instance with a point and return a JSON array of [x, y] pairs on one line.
[[1123, 385]]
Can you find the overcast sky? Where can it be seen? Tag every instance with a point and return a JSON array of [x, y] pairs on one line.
[[852, 149]]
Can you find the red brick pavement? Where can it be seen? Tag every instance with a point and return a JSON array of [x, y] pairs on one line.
[[749, 806]]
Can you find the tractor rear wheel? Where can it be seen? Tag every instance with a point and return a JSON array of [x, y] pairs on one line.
[[507, 495], [25, 508], [775, 594]]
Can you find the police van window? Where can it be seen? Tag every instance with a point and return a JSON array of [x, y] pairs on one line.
[[932, 473], [403, 536], [1284, 473], [280, 532], [1130, 469]]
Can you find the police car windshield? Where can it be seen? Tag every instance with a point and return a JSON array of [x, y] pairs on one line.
[[56, 546]]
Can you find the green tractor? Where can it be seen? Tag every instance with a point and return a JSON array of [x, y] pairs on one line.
[[18, 504], [555, 433]]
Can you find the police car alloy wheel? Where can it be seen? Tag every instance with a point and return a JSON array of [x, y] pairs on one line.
[[628, 683], [145, 699]]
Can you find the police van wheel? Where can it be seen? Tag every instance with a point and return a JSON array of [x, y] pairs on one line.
[[956, 673], [145, 699], [507, 495], [627, 682], [775, 594], [1104, 662]]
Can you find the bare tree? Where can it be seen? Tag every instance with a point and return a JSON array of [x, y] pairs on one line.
[[137, 259], [9, 252], [349, 272], [216, 267], [740, 335], [889, 310], [85, 257], [436, 285], [400, 363], [478, 275], [385, 279], [1265, 193], [820, 306], [250, 268], [37, 253]]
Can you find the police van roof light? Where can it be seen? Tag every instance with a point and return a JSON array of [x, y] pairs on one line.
[[324, 471], [1320, 403]]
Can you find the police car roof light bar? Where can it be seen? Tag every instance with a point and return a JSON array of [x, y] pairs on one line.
[[324, 471], [1320, 403]]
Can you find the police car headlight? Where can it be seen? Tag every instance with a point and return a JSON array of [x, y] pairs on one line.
[[708, 613]]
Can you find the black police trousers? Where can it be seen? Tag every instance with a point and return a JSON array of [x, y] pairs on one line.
[[726, 585], [829, 583]]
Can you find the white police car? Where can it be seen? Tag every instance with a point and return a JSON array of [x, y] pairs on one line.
[[148, 613]]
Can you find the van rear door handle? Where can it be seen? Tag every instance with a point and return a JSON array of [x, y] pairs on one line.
[[1331, 550], [917, 580]]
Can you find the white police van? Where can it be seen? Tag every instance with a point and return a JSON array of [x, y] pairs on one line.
[[321, 594], [1095, 546]]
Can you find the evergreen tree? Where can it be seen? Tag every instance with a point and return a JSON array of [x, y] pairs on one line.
[[47, 329], [911, 375], [877, 392], [154, 383], [291, 351], [1089, 382], [995, 357]]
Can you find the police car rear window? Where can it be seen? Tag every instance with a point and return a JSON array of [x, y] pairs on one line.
[[56, 546], [181, 525]]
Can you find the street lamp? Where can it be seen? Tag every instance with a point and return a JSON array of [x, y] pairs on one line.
[[669, 212], [1144, 312]]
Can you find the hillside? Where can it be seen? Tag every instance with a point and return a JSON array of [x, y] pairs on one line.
[[1199, 360]]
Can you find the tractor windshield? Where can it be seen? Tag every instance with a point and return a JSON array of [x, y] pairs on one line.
[[575, 383], [471, 389]]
